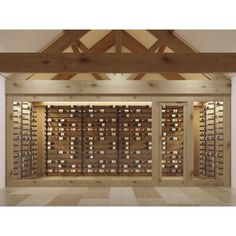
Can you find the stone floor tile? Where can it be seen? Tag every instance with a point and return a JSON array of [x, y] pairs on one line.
[[65, 200], [145, 192]]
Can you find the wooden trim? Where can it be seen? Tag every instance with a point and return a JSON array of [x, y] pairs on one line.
[[83, 182], [118, 87], [117, 62]]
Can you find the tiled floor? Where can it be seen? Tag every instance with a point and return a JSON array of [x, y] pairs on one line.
[[119, 196]]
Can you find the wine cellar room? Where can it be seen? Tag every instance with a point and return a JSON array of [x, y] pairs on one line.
[[106, 108], [117, 141]]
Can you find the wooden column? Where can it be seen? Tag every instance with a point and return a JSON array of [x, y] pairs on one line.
[[227, 141], [189, 143], [40, 139], [156, 174]]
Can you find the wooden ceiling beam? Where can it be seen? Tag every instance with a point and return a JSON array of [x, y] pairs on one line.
[[68, 76], [60, 44], [177, 45], [152, 49], [64, 41], [95, 75], [132, 44], [171, 41], [135, 46], [67, 39], [117, 62], [102, 45], [75, 48], [118, 41]]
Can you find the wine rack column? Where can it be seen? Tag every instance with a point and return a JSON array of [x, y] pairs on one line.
[[100, 140], [172, 140], [24, 141], [135, 140], [219, 138], [63, 140], [211, 140], [203, 143]]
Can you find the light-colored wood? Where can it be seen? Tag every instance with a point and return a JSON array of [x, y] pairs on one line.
[[196, 135], [118, 88], [117, 62], [142, 97], [9, 139], [155, 146], [40, 139], [88, 100], [83, 182], [227, 141], [189, 143], [159, 142]]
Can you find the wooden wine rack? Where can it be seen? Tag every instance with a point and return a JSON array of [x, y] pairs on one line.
[[63, 140], [172, 140], [98, 140], [135, 140], [211, 140], [24, 141]]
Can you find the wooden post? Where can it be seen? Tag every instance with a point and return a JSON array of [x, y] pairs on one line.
[[189, 143], [155, 144]]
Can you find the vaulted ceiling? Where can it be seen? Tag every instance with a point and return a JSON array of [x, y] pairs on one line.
[[108, 41]]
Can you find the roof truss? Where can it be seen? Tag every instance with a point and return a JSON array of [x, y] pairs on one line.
[[117, 38]]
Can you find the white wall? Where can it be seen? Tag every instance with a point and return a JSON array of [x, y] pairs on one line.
[[233, 133], [2, 132]]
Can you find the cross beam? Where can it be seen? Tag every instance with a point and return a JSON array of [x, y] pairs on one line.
[[117, 62]]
